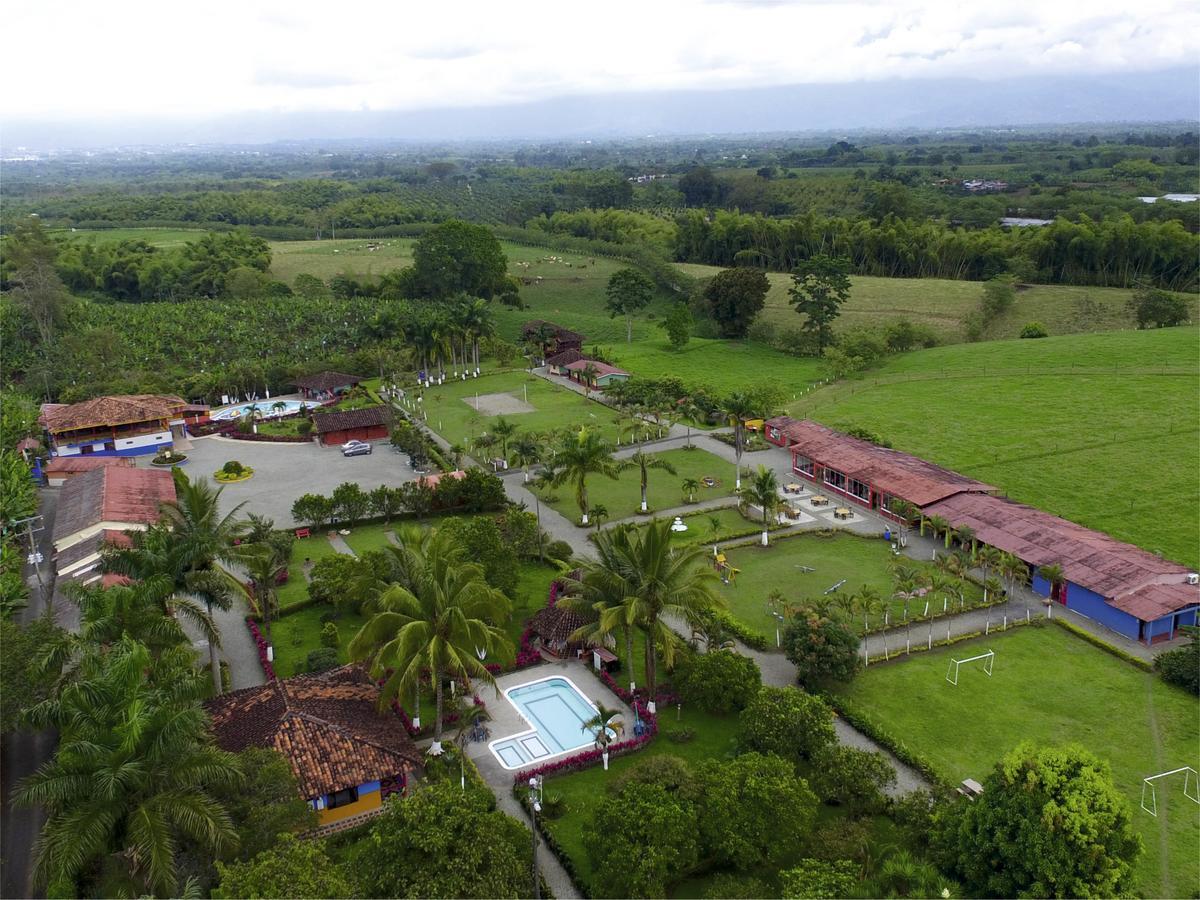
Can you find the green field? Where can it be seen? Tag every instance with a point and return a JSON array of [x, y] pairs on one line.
[[857, 560], [720, 366], [731, 524], [452, 412], [622, 497], [1050, 687], [941, 305], [1113, 444]]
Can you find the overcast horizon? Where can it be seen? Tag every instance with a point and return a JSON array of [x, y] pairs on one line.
[[277, 71]]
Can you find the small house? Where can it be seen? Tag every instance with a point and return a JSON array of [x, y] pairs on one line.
[[557, 364], [371, 423], [326, 385], [347, 756], [554, 625], [552, 339], [595, 374]]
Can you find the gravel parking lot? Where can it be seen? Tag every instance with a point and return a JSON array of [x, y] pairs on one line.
[[282, 472]]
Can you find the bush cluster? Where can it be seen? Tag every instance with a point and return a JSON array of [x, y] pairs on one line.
[[476, 491]]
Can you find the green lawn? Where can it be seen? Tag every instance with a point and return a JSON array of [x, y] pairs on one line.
[[730, 524], [856, 560], [1014, 415], [452, 412], [298, 634], [622, 497], [364, 538], [941, 305], [315, 548], [1051, 687], [715, 739]]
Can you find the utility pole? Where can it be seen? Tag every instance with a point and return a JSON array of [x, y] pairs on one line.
[[535, 807], [35, 557]]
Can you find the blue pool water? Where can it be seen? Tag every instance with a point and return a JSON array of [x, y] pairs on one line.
[[556, 710], [266, 409]]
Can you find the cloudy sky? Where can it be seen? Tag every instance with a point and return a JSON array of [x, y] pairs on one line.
[[178, 59]]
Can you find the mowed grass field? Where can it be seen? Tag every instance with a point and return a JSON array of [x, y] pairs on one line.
[[941, 304], [622, 497], [1053, 688], [452, 412], [1113, 444], [856, 561]]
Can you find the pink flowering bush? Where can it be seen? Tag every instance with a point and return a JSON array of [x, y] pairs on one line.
[[261, 643]]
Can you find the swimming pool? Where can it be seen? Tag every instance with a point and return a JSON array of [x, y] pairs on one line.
[[556, 710], [266, 409]]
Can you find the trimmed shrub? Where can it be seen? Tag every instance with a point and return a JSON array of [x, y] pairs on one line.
[[717, 682], [559, 550], [329, 635], [321, 660], [1181, 666]]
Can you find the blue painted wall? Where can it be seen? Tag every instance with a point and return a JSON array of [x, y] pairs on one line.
[[1092, 605], [1041, 586], [369, 788]]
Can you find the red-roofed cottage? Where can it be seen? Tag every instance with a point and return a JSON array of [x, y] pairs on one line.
[[125, 425], [594, 374]]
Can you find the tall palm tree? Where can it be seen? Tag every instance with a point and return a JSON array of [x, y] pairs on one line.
[[577, 458], [203, 537], [907, 513], [526, 452], [737, 408], [1055, 577], [869, 601], [965, 535], [846, 602], [263, 568], [644, 462], [440, 621], [656, 581], [504, 430], [605, 726], [1015, 574], [689, 411], [131, 776], [587, 377], [713, 524], [988, 559], [939, 525], [764, 493]]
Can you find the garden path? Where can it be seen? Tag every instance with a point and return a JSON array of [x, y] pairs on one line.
[[339, 544]]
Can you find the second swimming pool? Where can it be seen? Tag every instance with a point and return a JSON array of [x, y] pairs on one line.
[[557, 711]]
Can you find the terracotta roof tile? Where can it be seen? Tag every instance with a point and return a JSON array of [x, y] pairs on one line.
[[1157, 600], [112, 494], [352, 418], [108, 411], [561, 359], [556, 624], [899, 474], [1090, 559], [327, 725], [601, 368], [73, 465]]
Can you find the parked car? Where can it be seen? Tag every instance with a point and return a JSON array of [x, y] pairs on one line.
[[351, 444], [359, 449]]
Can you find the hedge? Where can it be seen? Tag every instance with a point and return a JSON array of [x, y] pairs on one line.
[[862, 722], [1104, 645]]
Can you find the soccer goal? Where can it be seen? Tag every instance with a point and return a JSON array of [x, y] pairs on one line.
[[988, 658], [1191, 787]]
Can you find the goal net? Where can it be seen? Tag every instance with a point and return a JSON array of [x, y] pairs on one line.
[[1191, 787], [988, 659]]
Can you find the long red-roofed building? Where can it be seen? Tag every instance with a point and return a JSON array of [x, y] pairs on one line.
[[119, 425], [1129, 590]]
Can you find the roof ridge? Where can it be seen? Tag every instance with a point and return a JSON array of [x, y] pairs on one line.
[[340, 729]]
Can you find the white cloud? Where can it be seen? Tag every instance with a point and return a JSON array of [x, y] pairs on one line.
[[174, 59]]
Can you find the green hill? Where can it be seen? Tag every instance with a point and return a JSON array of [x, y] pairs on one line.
[[1102, 429]]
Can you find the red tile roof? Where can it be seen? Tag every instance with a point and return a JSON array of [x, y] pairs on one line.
[[352, 418], [112, 494], [1157, 600], [561, 359], [899, 474], [1090, 559], [124, 409], [74, 465], [327, 381], [327, 725], [601, 368], [556, 624], [431, 481]]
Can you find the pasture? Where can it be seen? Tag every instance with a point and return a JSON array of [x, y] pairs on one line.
[[856, 562], [452, 412], [1102, 429], [1051, 687]]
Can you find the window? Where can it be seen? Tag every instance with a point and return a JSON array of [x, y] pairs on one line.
[[343, 798], [859, 490], [802, 464], [835, 478]]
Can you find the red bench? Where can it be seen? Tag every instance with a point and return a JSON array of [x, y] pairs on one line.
[[303, 533]]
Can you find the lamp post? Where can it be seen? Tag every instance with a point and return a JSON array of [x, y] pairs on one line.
[[535, 807]]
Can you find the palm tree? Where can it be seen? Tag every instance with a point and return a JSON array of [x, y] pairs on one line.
[[278, 407], [587, 377], [263, 568], [504, 430], [656, 581], [869, 601], [988, 559], [131, 776], [846, 602], [965, 535], [644, 462], [599, 514], [713, 523], [440, 622], [737, 408], [764, 493], [907, 514], [1015, 573], [939, 525], [600, 725], [526, 452], [689, 487], [202, 537], [586, 454], [689, 411]]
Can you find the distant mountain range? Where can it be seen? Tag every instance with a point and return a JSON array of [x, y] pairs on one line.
[[1162, 96]]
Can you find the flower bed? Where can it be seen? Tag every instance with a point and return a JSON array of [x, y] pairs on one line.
[[223, 477], [261, 643]]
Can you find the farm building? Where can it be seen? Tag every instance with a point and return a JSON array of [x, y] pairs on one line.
[[96, 508], [557, 364], [1125, 588], [125, 425], [552, 338], [370, 423], [863, 473], [348, 757], [61, 468], [326, 385], [595, 374]]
